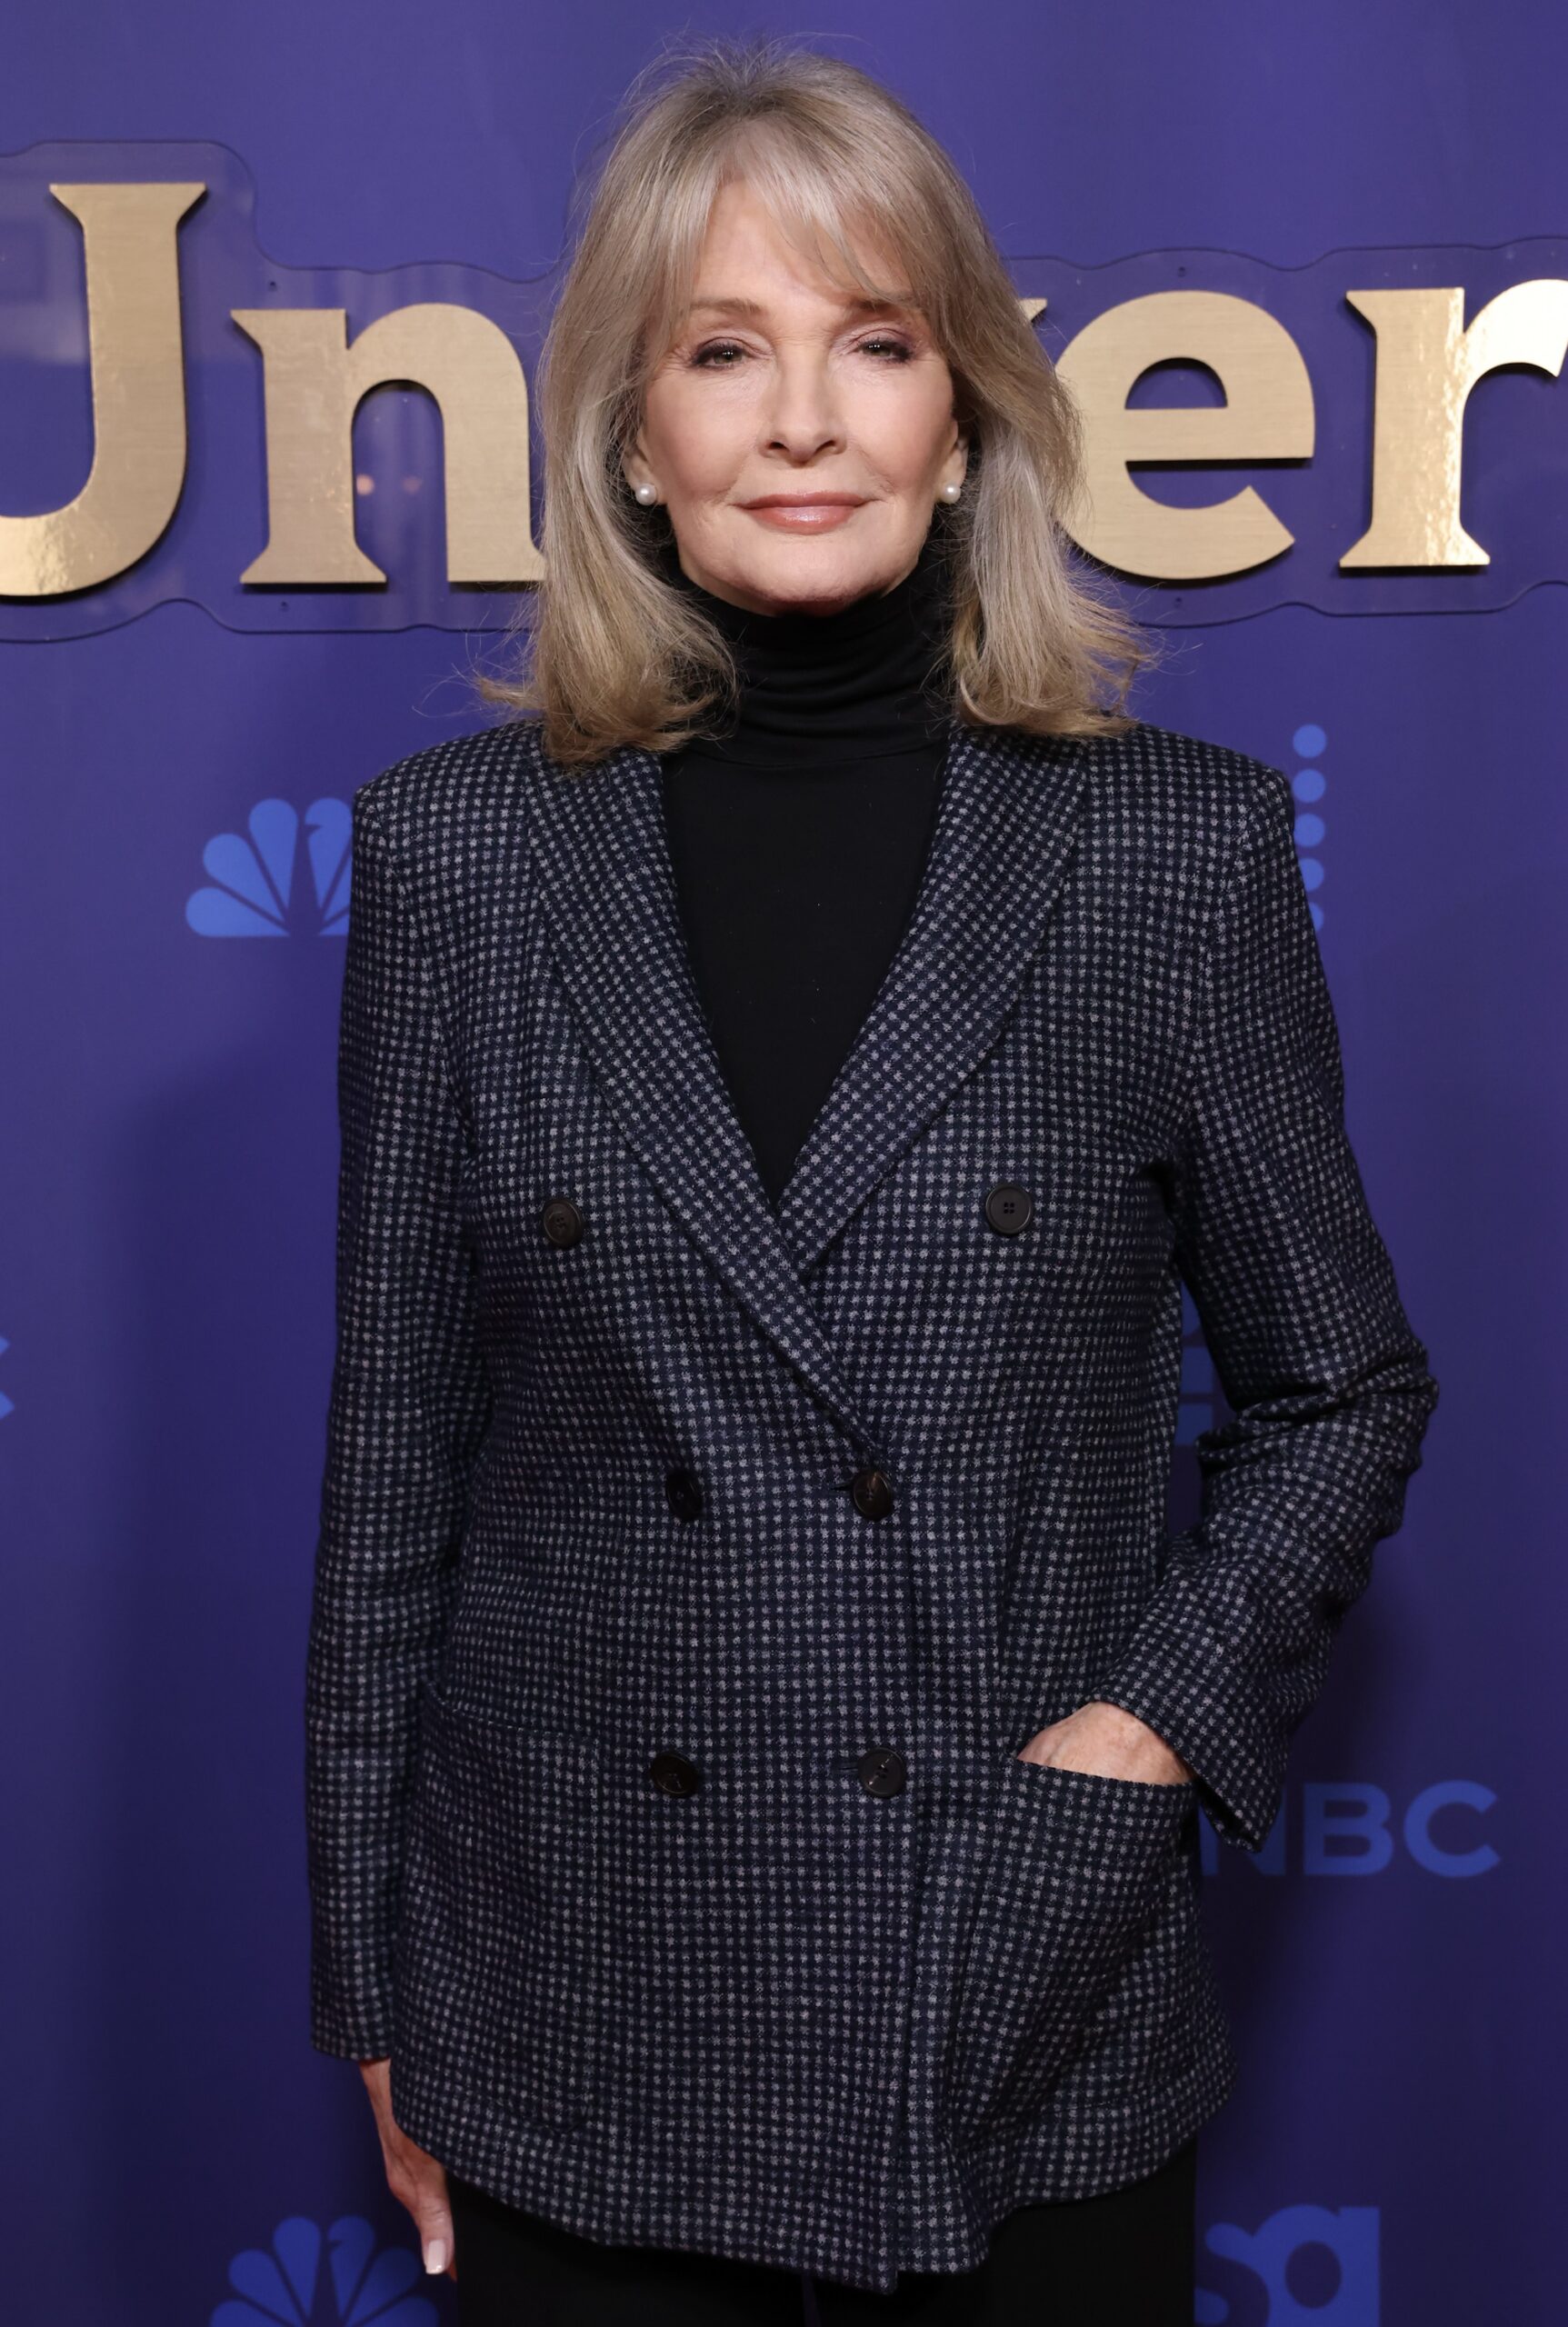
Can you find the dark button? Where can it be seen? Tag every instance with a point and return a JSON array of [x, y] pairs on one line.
[[562, 1220], [684, 1494], [672, 1773], [882, 1770], [1009, 1207], [872, 1493]]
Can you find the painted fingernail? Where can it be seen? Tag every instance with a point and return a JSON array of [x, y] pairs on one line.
[[435, 2255]]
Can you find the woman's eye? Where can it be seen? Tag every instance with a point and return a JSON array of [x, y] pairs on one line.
[[716, 356]]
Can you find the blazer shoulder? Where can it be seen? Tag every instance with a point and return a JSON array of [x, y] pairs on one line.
[[1211, 792], [434, 803], [1191, 760]]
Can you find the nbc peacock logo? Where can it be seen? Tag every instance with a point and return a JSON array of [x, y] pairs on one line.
[[286, 876], [341, 2279]]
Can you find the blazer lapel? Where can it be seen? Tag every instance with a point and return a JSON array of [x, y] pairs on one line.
[[1005, 822], [1006, 819], [605, 876]]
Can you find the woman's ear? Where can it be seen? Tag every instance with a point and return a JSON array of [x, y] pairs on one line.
[[635, 460]]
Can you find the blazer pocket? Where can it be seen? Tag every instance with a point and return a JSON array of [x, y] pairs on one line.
[[497, 1981], [1075, 1866]]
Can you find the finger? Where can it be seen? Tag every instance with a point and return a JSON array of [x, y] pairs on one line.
[[433, 2219]]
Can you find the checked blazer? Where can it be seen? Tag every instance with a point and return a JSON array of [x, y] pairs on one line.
[[690, 1571]]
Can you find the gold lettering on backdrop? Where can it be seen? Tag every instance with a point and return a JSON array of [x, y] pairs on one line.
[[1267, 416], [314, 380], [136, 360], [1427, 364]]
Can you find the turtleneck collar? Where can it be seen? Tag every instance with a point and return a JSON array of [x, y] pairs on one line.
[[820, 689]]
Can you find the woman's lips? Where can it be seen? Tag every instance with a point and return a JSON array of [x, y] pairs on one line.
[[802, 517]]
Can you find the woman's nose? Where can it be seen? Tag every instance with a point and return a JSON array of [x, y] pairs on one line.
[[804, 416]]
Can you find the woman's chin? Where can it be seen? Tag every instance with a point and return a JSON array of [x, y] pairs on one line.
[[805, 573]]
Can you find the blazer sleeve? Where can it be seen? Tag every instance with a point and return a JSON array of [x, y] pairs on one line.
[[1329, 1386], [407, 1413]]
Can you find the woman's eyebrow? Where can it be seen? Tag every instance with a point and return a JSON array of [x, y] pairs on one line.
[[724, 306], [720, 305]]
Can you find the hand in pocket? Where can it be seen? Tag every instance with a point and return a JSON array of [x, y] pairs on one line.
[[1075, 1865]]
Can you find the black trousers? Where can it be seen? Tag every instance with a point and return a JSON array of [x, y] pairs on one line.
[[1121, 2260]]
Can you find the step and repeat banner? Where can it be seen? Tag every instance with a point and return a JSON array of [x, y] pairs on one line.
[[262, 519]]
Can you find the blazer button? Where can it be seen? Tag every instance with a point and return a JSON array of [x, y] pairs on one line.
[[562, 1220], [1009, 1208], [882, 1770], [871, 1493], [672, 1773], [684, 1494]]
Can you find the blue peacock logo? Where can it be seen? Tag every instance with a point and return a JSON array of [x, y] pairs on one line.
[[255, 891], [286, 2286]]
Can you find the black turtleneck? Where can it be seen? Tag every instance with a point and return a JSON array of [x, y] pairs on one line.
[[799, 839]]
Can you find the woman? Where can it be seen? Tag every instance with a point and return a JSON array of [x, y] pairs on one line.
[[755, 1718]]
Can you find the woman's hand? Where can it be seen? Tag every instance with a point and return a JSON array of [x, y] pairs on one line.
[[1109, 1742], [414, 2177]]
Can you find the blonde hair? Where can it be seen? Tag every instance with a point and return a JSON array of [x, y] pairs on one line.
[[617, 654]]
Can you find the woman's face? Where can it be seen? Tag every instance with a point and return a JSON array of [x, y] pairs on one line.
[[799, 441]]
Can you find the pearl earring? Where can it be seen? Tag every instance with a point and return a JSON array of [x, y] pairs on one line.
[[951, 492], [647, 494]]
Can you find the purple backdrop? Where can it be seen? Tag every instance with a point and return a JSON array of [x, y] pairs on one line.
[[175, 2151]]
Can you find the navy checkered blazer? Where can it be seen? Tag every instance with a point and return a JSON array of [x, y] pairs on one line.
[[691, 1572]]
